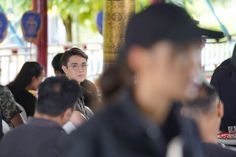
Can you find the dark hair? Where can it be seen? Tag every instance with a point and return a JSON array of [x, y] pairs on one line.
[[56, 94], [24, 77], [72, 52], [115, 79], [204, 102], [56, 62]]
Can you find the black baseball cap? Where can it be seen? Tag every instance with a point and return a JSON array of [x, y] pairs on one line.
[[164, 22]]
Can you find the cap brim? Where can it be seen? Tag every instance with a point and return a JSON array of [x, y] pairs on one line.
[[210, 34]]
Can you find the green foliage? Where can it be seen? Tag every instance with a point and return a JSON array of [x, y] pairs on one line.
[[80, 10], [141, 4], [16, 6]]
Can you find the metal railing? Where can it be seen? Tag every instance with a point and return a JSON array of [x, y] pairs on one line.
[[11, 60], [213, 54]]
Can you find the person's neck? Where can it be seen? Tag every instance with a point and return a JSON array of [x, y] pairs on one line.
[[152, 104], [208, 130], [47, 117]]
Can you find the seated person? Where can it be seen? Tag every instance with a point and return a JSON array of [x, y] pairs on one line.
[[43, 135], [224, 81], [207, 111], [29, 78], [8, 108], [90, 91], [74, 64], [78, 116]]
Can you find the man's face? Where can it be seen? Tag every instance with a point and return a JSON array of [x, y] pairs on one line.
[[76, 68]]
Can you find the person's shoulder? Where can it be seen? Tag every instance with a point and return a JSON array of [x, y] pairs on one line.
[[96, 124], [25, 94], [4, 90], [222, 68], [222, 71], [215, 150], [14, 134]]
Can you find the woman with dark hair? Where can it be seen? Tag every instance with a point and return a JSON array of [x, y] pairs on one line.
[[224, 81], [29, 78], [155, 70]]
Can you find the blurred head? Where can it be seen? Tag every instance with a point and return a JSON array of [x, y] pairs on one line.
[[74, 64], [29, 77], [56, 64], [161, 54], [206, 109], [57, 97], [166, 68], [205, 103]]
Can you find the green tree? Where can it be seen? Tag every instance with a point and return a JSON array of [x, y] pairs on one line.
[[78, 11]]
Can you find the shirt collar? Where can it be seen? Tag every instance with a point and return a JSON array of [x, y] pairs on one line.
[[43, 122]]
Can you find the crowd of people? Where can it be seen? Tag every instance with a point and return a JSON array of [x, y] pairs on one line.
[[153, 101]]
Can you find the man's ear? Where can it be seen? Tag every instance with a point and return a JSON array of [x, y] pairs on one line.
[[64, 68], [66, 115], [220, 109], [135, 57]]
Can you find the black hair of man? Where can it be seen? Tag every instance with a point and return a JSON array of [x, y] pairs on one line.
[[205, 100], [72, 52], [57, 94], [56, 62]]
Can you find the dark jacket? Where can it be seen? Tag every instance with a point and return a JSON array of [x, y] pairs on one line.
[[224, 81], [38, 138], [26, 99], [214, 150], [122, 131]]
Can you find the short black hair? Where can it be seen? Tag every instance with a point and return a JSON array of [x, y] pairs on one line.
[[56, 94], [56, 62], [205, 100], [72, 52]]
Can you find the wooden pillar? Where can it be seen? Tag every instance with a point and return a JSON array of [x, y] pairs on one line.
[[116, 16], [40, 6]]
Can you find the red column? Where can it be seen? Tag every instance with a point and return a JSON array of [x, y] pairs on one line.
[[42, 43]]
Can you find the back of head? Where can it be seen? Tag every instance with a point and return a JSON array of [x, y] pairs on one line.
[[56, 63], [72, 52], [24, 77], [57, 94], [205, 102]]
